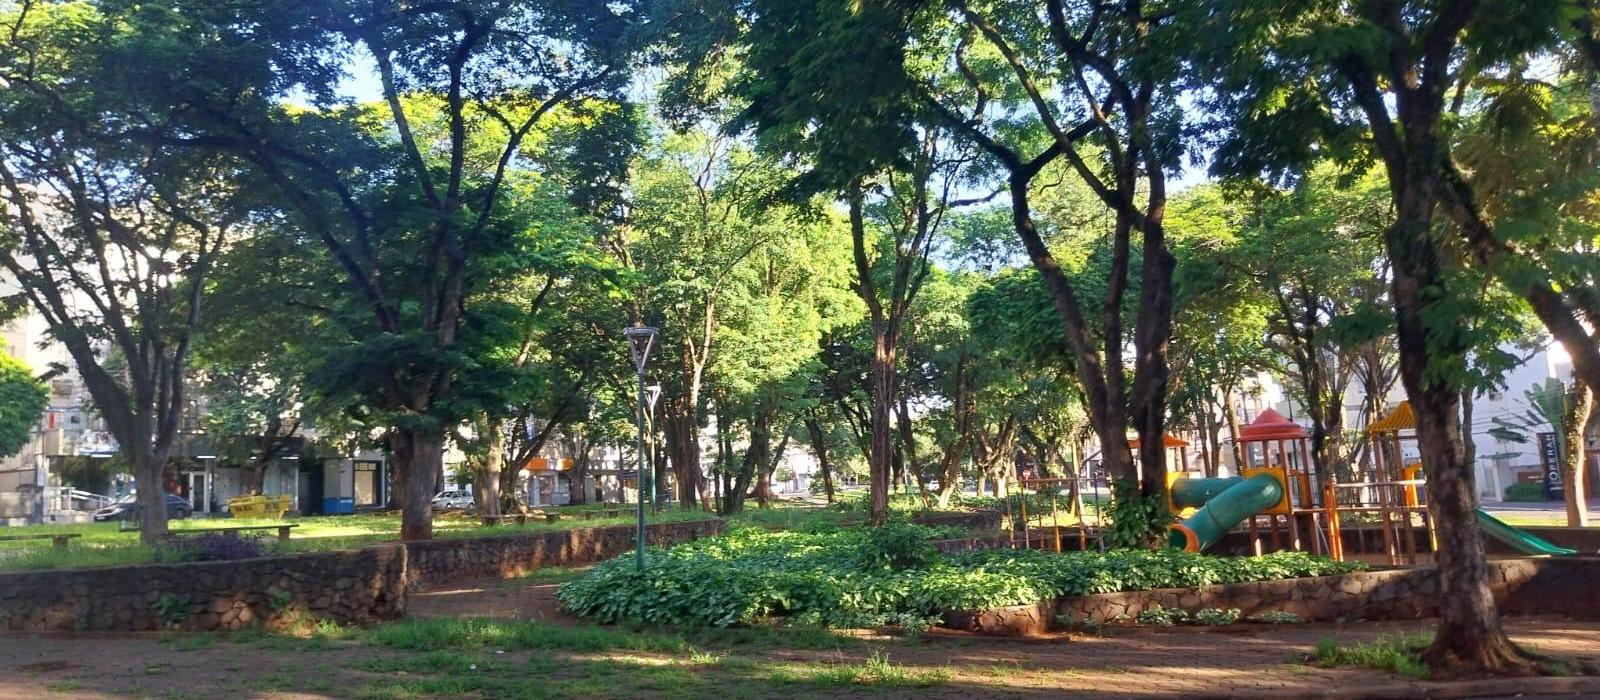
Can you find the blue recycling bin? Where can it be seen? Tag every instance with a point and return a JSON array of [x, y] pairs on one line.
[[339, 505]]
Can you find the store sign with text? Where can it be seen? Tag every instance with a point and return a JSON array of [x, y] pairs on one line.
[[1550, 461]]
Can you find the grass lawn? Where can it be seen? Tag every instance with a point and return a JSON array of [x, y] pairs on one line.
[[102, 544]]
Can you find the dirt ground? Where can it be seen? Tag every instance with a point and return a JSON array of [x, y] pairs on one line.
[[1180, 662]]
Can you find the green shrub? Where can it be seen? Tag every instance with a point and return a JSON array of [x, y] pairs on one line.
[[1215, 617], [898, 546], [1136, 520], [1275, 617], [1525, 491], [1162, 617], [839, 579], [172, 608]]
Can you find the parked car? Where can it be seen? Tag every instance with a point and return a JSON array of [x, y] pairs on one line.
[[454, 499], [127, 508]]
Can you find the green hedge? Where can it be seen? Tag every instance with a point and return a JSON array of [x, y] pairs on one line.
[[1525, 491], [859, 578]]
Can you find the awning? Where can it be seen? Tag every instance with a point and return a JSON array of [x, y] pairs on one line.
[[1166, 440], [1401, 418]]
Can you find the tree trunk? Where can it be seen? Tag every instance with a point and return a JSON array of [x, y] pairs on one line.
[[1230, 412], [755, 458], [255, 477], [578, 489], [819, 445], [682, 429], [399, 461], [425, 458], [764, 482], [1152, 332], [1575, 419], [493, 464], [149, 471], [881, 455], [1469, 638]]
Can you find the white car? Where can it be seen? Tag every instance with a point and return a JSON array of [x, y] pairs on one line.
[[454, 499]]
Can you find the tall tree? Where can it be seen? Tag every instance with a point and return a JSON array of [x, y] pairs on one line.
[[110, 241], [1375, 81], [699, 224], [409, 197]]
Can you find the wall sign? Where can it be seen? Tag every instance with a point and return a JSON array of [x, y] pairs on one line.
[[1550, 460]]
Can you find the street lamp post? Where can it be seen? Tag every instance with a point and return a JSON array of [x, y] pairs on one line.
[[641, 340], [652, 393]]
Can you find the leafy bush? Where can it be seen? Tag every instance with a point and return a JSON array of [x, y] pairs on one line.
[[172, 608], [1275, 617], [1136, 520], [1215, 616], [899, 546], [1162, 617], [825, 579], [1525, 492]]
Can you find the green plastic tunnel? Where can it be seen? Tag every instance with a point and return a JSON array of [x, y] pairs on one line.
[[1222, 504]]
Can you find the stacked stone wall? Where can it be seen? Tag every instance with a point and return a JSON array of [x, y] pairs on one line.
[[1559, 586], [356, 586]]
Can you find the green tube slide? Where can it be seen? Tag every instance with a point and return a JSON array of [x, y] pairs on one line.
[[1519, 539], [1222, 502]]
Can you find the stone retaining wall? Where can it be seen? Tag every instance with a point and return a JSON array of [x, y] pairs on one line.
[[356, 586], [352, 586], [978, 520], [1561, 586], [506, 556]]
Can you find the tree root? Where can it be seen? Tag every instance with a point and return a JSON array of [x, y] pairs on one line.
[[1449, 659]]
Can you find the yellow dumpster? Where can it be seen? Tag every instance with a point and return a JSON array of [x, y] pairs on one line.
[[259, 506]]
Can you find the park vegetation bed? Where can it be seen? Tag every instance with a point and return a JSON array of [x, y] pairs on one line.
[[859, 577]]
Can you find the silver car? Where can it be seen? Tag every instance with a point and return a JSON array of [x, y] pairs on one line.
[[454, 499]]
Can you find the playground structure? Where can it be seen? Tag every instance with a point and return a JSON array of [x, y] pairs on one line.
[[1279, 502]]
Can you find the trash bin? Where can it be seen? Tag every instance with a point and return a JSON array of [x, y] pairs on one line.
[[339, 505]]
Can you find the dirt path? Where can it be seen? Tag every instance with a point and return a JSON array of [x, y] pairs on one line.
[[535, 600], [1183, 662]]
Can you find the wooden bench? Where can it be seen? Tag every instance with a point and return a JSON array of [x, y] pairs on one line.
[[59, 541], [602, 513], [283, 530], [517, 518]]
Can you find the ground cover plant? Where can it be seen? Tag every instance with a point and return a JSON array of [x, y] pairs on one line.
[[1400, 655], [856, 578]]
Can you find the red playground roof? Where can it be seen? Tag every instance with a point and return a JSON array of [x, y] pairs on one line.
[[1271, 425]]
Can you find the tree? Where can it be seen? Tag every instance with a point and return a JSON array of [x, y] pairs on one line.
[[253, 415], [699, 223], [110, 241], [1221, 321], [1375, 82], [912, 205], [410, 198], [1314, 252], [23, 399]]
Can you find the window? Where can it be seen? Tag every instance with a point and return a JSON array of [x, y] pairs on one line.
[[367, 484]]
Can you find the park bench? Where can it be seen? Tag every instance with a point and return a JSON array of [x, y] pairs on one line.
[[604, 513], [517, 518], [283, 530], [59, 541]]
